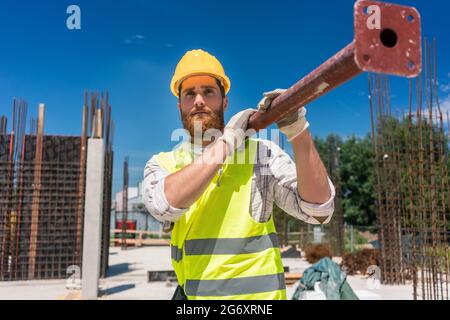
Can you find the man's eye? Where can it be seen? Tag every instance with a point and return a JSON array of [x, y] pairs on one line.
[[190, 93], [209, 91]]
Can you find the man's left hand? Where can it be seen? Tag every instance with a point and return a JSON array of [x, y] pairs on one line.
[[291, 125]]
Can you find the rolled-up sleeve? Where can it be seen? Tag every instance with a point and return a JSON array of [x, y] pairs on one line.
[[155, 199], [283, 181]]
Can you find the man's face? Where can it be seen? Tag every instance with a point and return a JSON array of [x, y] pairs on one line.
[[201, 100]]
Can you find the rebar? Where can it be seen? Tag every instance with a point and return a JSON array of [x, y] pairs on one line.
[[413, 184], [42, 187], [125, 205]]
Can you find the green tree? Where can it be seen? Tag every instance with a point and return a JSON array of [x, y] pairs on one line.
[[356, 171], [350, 163]]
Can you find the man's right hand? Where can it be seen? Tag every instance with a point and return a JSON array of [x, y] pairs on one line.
[[195, 177], [235, 131]]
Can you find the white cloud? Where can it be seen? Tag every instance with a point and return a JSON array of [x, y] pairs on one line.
[[445, 109], [444, 87], [140, 39], [445, 104], [362, 93], [135, 39]]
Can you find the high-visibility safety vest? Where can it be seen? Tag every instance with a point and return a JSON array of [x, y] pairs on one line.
[[218, 250]]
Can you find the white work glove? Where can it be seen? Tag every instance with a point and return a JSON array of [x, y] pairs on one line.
[[235, 130], [291, 125]]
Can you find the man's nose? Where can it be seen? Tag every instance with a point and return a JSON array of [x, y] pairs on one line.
[[199, 102]]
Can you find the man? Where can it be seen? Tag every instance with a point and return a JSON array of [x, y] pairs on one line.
[[223, 242]]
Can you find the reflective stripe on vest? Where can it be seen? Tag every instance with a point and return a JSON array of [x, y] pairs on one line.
[[235, 286], [176, 253], [230, 245]]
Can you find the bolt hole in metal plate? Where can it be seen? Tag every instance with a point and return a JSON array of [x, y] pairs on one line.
[[396, 47]]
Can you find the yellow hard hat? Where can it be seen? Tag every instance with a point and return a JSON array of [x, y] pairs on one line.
[[196, 62]]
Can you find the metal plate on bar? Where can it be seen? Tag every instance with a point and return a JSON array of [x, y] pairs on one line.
[[392, 44]]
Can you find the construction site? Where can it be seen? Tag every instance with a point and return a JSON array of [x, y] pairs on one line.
[[74, 223]]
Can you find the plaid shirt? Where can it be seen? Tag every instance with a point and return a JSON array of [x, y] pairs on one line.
[[274, 179]]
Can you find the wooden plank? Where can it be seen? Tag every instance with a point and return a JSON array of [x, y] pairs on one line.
[[136, 231], [144, 242], [291, 278]]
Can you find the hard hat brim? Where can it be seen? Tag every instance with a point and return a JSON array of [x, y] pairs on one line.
[[224, 80]]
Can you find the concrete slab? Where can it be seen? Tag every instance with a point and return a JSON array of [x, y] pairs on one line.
[[33, 290], [127, 280]]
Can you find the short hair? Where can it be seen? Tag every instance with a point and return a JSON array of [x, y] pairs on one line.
[[219, 83]]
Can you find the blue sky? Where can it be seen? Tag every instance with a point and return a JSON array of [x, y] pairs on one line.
[[131, 48]]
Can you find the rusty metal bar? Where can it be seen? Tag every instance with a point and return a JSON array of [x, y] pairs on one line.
[[107, 187], [82, 179], [3, 124], [125, 204], [395, 48], [92, 115], [17, 218], [7, 214], [98, 124], [36, 192]]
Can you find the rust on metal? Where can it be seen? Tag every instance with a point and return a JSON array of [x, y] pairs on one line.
[[36, 192], [125, 204], [395, 48], [82, 178]]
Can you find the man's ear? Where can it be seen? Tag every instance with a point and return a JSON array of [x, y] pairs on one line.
[[225, 103], [179, 105]]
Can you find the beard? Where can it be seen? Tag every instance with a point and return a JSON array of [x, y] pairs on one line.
[[208, 120]]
